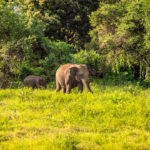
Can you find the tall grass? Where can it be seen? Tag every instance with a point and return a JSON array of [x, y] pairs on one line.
[[114, 117]]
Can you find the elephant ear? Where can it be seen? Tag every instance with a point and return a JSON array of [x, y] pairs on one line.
[[73, 70]]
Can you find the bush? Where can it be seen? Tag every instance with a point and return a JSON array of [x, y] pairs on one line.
[[95, 62], [57, 53]]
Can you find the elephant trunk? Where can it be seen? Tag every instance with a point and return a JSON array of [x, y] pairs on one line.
[[87, 85]]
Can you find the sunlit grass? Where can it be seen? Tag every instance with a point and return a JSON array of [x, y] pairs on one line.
[[114, 117]]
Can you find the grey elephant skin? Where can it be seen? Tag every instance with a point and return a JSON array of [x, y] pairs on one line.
[[34, 81], [69, 76]]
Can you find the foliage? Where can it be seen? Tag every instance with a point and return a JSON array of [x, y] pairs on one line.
[[67, 19], [122, 29], [24, 48], [35, 35], [58, 53], [96, 63], [114, 116], [18, 38]]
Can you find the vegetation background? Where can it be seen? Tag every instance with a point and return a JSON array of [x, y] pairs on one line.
[[112, 37]]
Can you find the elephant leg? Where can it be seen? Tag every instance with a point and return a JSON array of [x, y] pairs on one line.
[[80, 87], [37, 83], [58, 87], [64, 89], [67, 84], [34, 85], [87, 86], [68, 88]]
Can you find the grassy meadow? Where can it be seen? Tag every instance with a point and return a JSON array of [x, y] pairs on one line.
[[115, 117]]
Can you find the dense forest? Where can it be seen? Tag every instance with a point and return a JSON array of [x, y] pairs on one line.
[[110, 36]]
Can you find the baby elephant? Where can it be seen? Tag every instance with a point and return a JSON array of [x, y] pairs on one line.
[[34, 81]]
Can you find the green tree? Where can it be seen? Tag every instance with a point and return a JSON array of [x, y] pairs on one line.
[[24, 48], [121, 32], [67, 20], [21, 34]]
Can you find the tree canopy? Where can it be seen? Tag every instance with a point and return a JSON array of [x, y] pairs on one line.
[[121, 31], [110, 36]]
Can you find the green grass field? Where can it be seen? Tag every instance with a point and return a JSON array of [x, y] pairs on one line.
[[114, 117]]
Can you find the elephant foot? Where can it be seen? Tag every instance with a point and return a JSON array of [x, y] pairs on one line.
[[68, 92], [57, 90], [64, 90]]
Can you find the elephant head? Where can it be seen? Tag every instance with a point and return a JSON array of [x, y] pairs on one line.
[[70, 74], [72, 71], [42, 82], [81, 73]]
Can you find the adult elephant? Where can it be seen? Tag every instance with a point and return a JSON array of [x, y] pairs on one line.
[[34, 81], [69, 76]]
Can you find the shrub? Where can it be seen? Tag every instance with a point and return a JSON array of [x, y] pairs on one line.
[[57, 53], [95, 62]]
